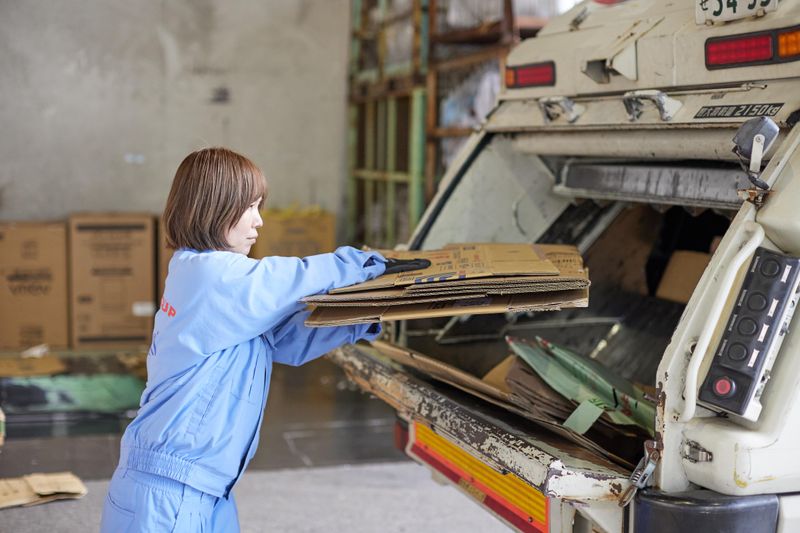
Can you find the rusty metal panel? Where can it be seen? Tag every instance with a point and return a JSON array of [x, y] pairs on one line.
[[556, 468]]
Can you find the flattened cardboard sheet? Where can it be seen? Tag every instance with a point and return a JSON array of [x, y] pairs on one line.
[[35, 489], [435, 293], [463, 261], [480, 389], [550, 301], [440, 370]]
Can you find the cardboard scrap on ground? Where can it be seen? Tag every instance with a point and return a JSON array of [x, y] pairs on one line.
[[462, 280], [35, 489]]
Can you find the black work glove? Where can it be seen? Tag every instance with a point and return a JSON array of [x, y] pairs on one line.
[[393, 266]]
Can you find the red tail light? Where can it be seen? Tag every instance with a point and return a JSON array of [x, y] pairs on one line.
[[738, 50], [533, 75], [762, 48]]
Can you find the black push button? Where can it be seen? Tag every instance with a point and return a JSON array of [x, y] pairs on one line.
[[757, 302], [737, 352], [770, 268], [747, 326], [752, 335]]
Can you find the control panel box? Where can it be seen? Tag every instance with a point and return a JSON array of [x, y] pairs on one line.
[[753, 335]]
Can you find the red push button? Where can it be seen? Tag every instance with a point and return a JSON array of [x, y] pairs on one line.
[[724, 387]]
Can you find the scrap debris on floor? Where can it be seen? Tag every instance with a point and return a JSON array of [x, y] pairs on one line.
[[35, 489]]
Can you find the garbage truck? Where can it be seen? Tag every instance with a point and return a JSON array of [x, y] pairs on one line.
[[660, 138]]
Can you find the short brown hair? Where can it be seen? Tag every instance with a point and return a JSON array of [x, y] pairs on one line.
[[212, 189]]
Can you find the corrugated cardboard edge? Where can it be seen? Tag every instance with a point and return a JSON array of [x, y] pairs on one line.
[[443, 292], [439, 370], [484, 268], [550, 301]]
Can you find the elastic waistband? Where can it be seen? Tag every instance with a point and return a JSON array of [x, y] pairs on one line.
[[175, 469], [165, 484]]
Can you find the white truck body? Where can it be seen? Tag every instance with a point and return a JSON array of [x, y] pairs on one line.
[[635, 115]]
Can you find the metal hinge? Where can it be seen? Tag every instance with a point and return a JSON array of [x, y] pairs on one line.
[[634, 101], [755, 196], [694, 453], [557, 106], [641, 474]]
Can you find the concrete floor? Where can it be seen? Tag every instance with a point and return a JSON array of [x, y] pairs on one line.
[[316, 422], [385, 497]]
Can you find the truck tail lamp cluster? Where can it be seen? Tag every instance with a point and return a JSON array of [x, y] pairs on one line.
[[533, 75], [753, 335], [760, 48], [789, 43], [506, 495]]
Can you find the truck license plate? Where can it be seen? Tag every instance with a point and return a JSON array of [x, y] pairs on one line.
[[722, 10]]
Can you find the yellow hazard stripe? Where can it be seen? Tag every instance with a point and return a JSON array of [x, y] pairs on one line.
[[508, 486]]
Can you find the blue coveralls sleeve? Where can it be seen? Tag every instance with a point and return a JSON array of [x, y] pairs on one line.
[[253, 296], [296, 344]]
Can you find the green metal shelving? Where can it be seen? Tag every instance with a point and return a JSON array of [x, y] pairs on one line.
[[386, 127]]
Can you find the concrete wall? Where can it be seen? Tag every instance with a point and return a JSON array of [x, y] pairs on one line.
[[101, 99]]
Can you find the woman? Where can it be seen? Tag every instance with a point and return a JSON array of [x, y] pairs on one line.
[[224, 319]]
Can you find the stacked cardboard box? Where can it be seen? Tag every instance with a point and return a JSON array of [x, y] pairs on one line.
[[295, 233], [462, 279], [112, 279], [33, 285]]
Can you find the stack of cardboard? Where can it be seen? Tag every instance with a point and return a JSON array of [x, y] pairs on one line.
[[462, 279], [512, 386]]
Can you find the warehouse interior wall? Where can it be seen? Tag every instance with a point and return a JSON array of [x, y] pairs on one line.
[[100, 100]]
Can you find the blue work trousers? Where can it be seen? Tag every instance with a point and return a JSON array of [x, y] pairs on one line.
[[141, 502]]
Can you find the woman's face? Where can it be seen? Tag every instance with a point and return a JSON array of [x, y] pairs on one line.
[[243, 234]]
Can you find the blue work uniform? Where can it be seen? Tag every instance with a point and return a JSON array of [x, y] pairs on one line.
[[223, 320]]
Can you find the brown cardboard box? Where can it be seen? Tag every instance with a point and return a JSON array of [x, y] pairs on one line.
[[619, 256], [295, 233], [164, 256], [33, 285], [112, 280], [682, 274]]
